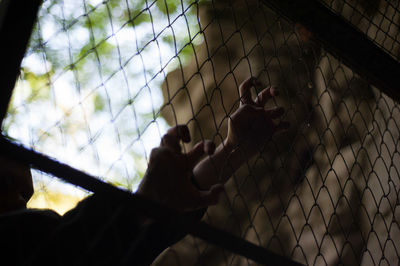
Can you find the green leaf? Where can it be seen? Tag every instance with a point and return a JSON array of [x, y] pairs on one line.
[[86, 49], [186, 53], [105, 49], [168, 39], [140, 18], [38, 84], [98, 103], [167, 6], [114, 3], [97, 20]]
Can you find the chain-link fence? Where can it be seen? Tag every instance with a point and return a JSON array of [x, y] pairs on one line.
[[103, 80], [379, 20]]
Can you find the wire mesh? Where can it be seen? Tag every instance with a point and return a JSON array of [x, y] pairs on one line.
[[102, 81], [379, 20], [90, 71]]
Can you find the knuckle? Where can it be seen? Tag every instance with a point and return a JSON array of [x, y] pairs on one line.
[[166, 137], [172, 130], [164, 152], [247, 107], [159, 153]]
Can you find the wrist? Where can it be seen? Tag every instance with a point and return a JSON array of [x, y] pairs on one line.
[[228, 146], [240, 152], [233, 154]]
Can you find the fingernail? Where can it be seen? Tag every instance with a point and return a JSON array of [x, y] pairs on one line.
[[209, 147], [184, 134]]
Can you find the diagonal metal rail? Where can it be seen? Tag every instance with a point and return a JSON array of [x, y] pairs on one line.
[[147, 207], [17, 18], [344, 41]]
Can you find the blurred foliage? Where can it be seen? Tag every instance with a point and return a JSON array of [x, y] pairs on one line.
[[168, 6], [74, 51], [96, 21], [38, 83], [52, 199]]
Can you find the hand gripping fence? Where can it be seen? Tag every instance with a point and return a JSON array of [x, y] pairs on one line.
[[10, 67], [340, 34], [147, 207]]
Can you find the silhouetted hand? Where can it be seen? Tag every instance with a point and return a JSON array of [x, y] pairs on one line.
[[168, 176], [16, 187], [251, 126]]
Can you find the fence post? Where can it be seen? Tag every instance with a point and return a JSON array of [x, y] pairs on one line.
[[17, 18]]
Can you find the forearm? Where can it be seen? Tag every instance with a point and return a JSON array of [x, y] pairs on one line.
[[218, 167]]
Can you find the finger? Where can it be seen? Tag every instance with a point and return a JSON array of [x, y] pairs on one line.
[[210, 197], [275, 113], [245, 92], [173, 136], [159, 154], [209, 147], [265, 95], [304, 34], [252, 109], [181, 132], [171, 142], [194, 155]]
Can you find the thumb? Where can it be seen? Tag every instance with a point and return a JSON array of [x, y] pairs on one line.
[[194, 155], [211, 196]]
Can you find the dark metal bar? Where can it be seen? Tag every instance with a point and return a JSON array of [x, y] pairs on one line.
[[344, 41], [239, 246], [73, 176], [18, 18], [151, 209]]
